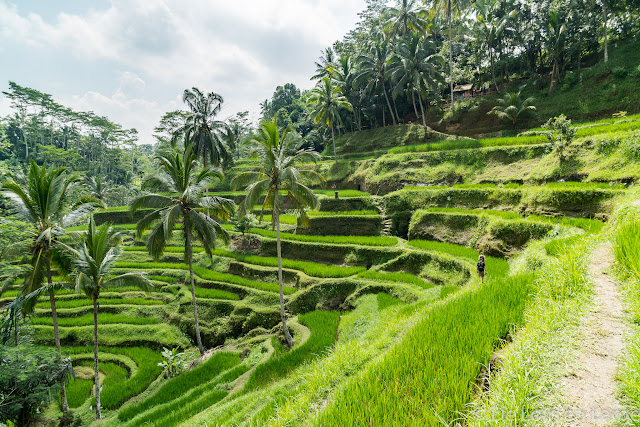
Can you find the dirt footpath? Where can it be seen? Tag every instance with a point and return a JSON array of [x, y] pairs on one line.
[[591, 389]]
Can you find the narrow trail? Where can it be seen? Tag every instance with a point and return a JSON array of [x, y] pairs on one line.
[[591, 388], [386, 222]]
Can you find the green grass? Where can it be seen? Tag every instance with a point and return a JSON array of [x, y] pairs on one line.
[[385, 300], [181, 384], [115, 393], [103, 318], [206, 274], [344, 213], [284, 219], [627, 247], [342, 193], [193, 402], [323, 326], [310, 268], [395, 277], [111, 301], [338, 240], [214, 294], [78, 391], [467, 144], [429, 373]]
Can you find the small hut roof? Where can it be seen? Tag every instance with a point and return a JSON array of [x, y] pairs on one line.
[[463, 88]]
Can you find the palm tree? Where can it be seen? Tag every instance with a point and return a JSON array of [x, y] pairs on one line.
[[414, 68], [278, 154], [178, 196], [451, 6], [344, 75], [324, 66], [327, 99], [404, 17], [490, 27], [201, 129], [95, 260], [556, 29], [41, 201], [512, 108], [373, 71]]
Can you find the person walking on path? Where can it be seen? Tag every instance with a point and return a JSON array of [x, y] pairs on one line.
[[481, 268]]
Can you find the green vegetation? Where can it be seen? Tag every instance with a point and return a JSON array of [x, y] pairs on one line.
[[338, 240], [178, 386], [395, 277], [439, 357], [323, 325], [469, 144], [103, 318]]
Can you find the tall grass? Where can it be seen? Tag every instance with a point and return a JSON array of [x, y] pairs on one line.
[[342, 193], [194, 401], [395, 277], [344, 213], [428, 377], [111, 301], [323, 325], [78, 391], [181, 384], [627, 247], [338, 240], [103, 318], [472, 143], [115, 393], [206, 274]]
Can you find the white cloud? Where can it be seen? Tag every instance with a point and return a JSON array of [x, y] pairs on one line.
[[240, 49]]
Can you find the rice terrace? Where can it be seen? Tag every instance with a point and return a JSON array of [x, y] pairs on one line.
[[438, 225]]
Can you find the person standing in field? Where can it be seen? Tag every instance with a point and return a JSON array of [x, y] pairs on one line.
[[481, 268]]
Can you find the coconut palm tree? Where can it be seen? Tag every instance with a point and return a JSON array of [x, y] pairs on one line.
[[325, 65], [327, 99], [278, 154], [95, 260], [413, 68], [490, 27], [405, 17], [41, 200], [200, 127], [450, 7], [178, 196], [512, 108], [373, 70]]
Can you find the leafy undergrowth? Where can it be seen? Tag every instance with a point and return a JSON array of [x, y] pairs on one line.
[[339, 240]]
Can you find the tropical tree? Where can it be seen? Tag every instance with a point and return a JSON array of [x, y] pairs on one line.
[[450, 7], [278, 154], [413, 68], [327, 100], [490, 27], [42, 201], [556, 38], [373, 71], [405, 17], [178, 196], [96, 186], [95, 260], [200, 127], [325, 64], [512, 107]]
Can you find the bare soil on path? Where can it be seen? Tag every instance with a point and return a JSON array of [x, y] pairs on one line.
[[591, 388]]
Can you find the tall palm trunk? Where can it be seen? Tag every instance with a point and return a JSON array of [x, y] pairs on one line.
[[95, 356], [450, 53], [424, 119], [56, 337], [606, 41], [393, 118], [493, 68], [333, 139], [415, 109], [276, 215], [189, 255]]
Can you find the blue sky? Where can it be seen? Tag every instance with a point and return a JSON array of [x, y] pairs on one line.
[[131, 59]]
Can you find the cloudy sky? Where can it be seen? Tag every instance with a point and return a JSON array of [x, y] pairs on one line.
[[131, 59]]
